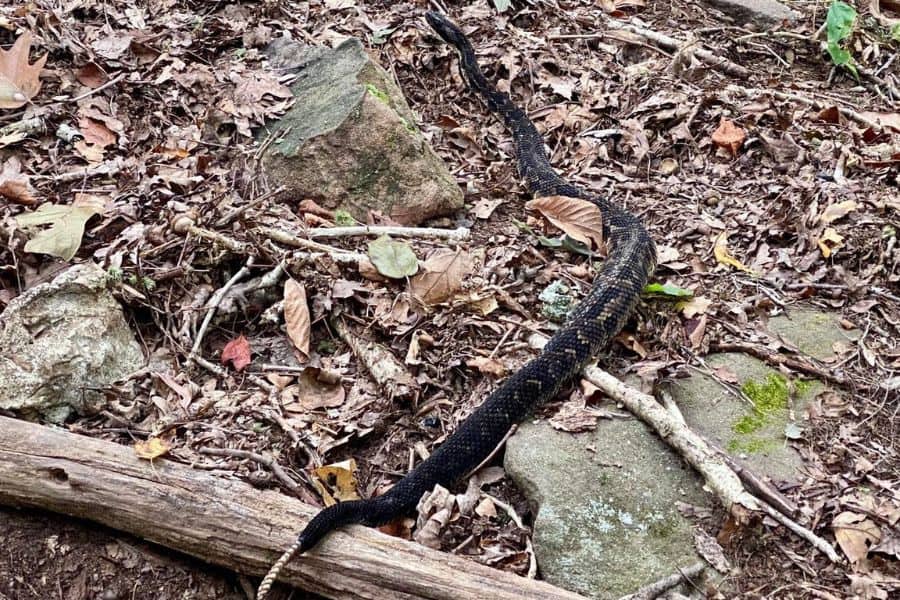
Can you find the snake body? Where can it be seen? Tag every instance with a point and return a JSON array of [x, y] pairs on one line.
[[599, 316]]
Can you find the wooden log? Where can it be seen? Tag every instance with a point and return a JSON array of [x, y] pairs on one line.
[[227, 522]]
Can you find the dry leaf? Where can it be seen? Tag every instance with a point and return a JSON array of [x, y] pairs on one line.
[[695, 329], [695, 306], [15, 186], [63, 238], [579, 218], [886, 120], [296, 315], [729, 136], [855, 533], [237, 352], [152, 448], [336, 481], [486, 508], [484, 208], [19, 81], [316, 389], [835, 211], [441, 276], [720, 250], [489, 366], [829, 241]]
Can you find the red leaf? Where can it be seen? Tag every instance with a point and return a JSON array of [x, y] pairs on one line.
[[237, 352]]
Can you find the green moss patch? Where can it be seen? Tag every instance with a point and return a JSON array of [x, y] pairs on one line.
[[770, 403]]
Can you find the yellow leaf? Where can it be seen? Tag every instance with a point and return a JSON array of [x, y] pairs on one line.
[[66, 221], [579, 218], [829, 241], [723, 256], [152, 448], [336, 481]]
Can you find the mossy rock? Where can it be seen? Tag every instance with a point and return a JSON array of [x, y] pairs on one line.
[[754, 430], [350, 141]]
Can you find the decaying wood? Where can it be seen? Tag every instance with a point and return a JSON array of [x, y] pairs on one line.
[[229, 523]]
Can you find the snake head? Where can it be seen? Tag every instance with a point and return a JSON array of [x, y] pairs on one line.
[[445, 28]]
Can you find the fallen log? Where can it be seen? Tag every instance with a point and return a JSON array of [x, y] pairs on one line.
[[229, 523]]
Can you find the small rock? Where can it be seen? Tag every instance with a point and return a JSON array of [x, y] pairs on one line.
[[762, 13], [60, 342], [350, 140]]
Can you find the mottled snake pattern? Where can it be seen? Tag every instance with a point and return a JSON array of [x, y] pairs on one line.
[[596, 319]]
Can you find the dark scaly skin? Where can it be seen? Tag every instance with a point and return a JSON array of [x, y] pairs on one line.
[[596, 319]]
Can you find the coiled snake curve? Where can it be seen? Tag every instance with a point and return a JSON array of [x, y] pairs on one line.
[[593, 322]]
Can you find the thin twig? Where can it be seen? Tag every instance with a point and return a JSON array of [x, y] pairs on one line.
[[213, 304], [109, 83], [714, 60], [266, 461], [460, 233], [775, 358], [657, 588], [288, 239]]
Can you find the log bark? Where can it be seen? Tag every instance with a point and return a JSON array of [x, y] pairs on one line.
[[230, 523]]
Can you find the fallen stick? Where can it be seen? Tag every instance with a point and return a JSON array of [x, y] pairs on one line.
[[460, 233], [719, 476], [229, 523], [669, 43]]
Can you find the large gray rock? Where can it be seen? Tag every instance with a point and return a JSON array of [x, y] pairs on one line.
[[762, 13], [812, 331], [350, 140], [756, 434], [606, 520], [60, 342]]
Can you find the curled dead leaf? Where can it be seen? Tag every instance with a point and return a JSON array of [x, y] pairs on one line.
[[729, 136], [829, 241]]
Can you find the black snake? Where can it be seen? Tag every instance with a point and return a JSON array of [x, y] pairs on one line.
[[590, 326]]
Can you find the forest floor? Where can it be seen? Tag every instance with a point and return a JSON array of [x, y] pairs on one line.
[[799, 207]]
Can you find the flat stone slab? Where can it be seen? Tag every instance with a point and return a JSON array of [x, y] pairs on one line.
[[606, 520], [812, 331], [350, 140], [756, 433], [60, 342], [763, 13]]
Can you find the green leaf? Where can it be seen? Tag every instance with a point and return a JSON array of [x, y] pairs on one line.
[[502, 5], [343, 219], [895, 32], [393, 259], [667, 289], [838, 26], [63, 237], [839, 21]]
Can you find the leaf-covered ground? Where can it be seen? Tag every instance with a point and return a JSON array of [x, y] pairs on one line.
[[761, 192]]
